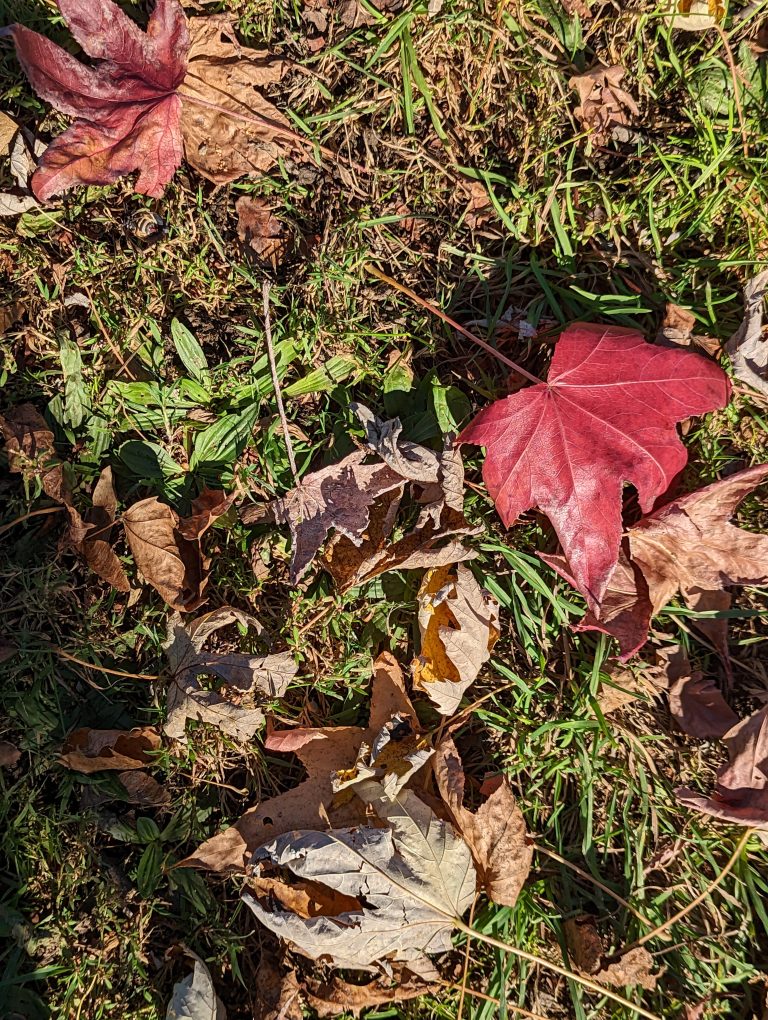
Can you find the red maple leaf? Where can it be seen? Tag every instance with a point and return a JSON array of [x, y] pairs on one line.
[[605, 416], [127, 107]]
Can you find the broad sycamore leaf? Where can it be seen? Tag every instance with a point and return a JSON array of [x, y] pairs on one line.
[[605, 416], [370, 894]]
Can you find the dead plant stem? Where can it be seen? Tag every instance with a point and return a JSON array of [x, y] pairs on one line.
[[265, 289]]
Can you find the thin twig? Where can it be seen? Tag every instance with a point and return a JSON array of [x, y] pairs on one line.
[[571, 975], [591, 878], [736, 89], [451, 322], [26, 517], [265, 288], [102, 669], [697, 900]]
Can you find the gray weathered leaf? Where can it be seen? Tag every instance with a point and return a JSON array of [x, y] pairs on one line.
[[747, 348], [411, 461], [251, 680], [14, 205], [195, 998], [377, 894]]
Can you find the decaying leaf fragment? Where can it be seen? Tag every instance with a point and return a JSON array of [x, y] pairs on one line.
[[260, 231], [413, 462], [173, 565], [30, 451], [194, 997], [250, 680], [87, 750], [459, 625], [741, 793], [696, 703], [383, 894], [338, 496], [398, 750], [325, 752], [635, 967], [9, 754], [334, 996], [495, 834], [90, 534], [748, 348], [605, 109]]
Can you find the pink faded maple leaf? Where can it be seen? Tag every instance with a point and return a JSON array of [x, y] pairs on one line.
[[127, 110], [605, 416]]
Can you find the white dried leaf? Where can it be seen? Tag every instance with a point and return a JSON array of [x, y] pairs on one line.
[[195, 998]]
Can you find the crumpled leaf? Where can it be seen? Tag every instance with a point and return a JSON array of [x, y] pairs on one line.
[[324, 752], [696, 15], [173, 565], [606, 110], [151, 96], [222, 145], [496, 833], [459, 625], [206, 509], [398, 750], [126, 108], [250, 680], [741, 792], [635, 967], [194, 997], [748, 348], [620, 398], [392, 893], [143, 790], [338, 496], [30, 450], [411, 461], [88, 750], [90, 534], [435, 540]]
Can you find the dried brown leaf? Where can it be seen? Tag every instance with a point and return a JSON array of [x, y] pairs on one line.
[[91, 533], [334, 995], [635, 967], [173, 565], [144, 791], [336, 497], [392, 892], [741, 792], [459, 625], [30, 450], [223, 144], [605, 109], [9, 754], [496, 833], [250, 681], [260, 231], [88, 750], [206, 509], [324, 752]]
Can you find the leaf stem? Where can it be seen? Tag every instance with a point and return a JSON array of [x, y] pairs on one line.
[[27, 516], [265, 289], [586, 982], [434, 310]]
